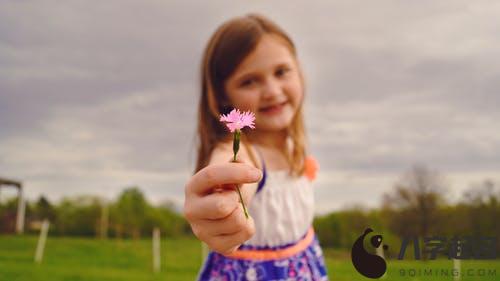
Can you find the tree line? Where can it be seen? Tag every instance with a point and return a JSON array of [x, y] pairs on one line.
[[418, 205], [130, 215]]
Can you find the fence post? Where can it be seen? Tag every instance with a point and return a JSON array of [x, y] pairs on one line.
[[104, 220], [457, 263], [156, 250], [41, 241], [21, 209]]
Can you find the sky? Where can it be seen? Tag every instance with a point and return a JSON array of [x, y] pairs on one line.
[[97, 97]]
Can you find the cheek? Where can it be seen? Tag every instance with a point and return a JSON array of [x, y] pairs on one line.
[[296, 93], [246, 101]]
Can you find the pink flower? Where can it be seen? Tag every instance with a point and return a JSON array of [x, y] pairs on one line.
[[237, 120]]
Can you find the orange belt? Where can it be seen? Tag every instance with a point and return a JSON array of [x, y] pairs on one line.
[[275, 254]]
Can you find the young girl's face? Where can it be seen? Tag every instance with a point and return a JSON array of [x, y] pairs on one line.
[[268, 83]]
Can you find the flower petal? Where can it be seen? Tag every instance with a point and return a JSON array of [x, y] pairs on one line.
[[247, 119], [232, 127], [237, 120]]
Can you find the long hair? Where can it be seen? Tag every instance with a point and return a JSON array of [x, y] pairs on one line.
[[227, 48]]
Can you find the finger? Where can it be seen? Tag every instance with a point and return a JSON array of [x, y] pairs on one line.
[[213, 206], [229, 251], [238, 159], [224, 187], [230, 224], [216, 174], [225, 243]]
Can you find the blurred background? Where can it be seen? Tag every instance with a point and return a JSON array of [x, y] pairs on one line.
[[98, 113]]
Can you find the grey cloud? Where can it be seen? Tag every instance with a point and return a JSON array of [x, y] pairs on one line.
[[95, 97]]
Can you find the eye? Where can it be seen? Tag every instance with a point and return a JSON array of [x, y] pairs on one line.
[[247, 82], [282, 71]]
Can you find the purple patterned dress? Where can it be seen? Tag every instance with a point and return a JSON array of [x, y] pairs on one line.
[[284, 246]]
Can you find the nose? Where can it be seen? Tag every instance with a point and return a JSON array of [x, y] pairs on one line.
[[272, 88]]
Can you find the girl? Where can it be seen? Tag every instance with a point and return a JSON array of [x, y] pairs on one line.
[[251, 64]]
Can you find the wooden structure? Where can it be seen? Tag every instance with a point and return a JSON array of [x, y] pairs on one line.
[[21, 204]]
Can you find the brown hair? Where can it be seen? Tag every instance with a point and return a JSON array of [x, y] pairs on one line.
[[226, 49]]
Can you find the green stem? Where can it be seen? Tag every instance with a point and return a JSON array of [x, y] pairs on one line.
[[242, 203], [236, 147], [236, 143]]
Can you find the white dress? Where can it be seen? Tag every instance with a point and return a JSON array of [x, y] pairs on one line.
[[284, 246]]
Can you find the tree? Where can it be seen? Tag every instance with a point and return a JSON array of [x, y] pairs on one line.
[[129, 212], [78, 216], [44, 210], [341, 228], [413, 206], [328, 230], [483, 208]]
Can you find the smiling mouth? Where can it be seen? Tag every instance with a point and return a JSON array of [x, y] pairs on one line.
[[273, 108]]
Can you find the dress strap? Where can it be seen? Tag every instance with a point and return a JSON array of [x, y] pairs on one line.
[[263, 180]]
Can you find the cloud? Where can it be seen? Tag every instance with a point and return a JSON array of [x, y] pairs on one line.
[[92, 101], [394, 134], [338, 189]]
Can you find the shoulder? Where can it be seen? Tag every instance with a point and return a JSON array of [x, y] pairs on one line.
[[223, 152]]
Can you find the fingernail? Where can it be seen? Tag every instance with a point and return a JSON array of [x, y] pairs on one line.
[[255, 174]]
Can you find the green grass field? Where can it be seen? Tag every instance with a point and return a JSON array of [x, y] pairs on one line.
[[89, 259]]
